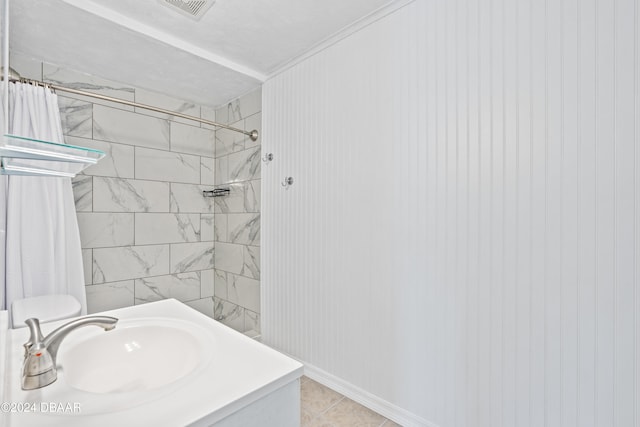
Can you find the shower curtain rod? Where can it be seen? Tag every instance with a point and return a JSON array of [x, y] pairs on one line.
[[252, 134]]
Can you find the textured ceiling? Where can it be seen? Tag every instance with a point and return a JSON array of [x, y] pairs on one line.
[[230, 51]]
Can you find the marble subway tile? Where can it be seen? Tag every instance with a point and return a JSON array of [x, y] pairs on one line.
[[156, 99], [109, 296], [244, 292], [83, 193], [221, 170], [253, 122], [192, 140], [128, 195], [81, 81], [228, 314], [191, 257], [228, 257], [220, 284], [232, 203], [252, 322], [117, 162], [228, 141], [183, 287], [244, 228], [229, 113], [255, 335], [76, 117], [166, 166], [114, 125], [203, 305], [100, 230], [207, 176], [207, 227], [244, 165], [240, 108], [87, 261], [220, 228], [207, 283], [129, 262], [251, 266], [189, 198], [208, 114], [156, 169], [251, 103], [252, 196], [154, 228]]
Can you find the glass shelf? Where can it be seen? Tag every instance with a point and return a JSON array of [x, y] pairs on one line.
[[27, 156]]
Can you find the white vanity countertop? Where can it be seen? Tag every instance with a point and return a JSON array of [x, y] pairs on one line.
[[240, 372]]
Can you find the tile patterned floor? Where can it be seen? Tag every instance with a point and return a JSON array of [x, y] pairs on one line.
[[323, 407]]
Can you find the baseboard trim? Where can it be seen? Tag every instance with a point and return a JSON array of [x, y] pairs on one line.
[[384, 408]]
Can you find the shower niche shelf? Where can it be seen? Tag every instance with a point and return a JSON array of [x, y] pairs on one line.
[[27, 156]]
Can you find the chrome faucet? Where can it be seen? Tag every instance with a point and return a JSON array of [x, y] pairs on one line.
[[39, 368]]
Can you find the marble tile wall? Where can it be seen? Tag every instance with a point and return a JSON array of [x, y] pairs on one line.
[[146, 231], [237, 217]]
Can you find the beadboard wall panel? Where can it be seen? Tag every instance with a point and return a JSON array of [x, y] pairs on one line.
[[462, 237]]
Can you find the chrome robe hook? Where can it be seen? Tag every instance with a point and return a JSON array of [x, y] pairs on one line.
[[288, 182]]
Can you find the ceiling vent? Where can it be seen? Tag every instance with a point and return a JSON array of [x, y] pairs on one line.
[[194, 9]]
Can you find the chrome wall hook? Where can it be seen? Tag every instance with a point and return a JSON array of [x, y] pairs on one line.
[[288, 182], [267, 157]]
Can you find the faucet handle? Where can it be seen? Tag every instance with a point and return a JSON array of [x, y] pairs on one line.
[[37, 360], [35, 337]]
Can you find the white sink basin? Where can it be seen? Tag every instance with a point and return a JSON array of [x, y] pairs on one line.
[[137, 356], [163, 364]]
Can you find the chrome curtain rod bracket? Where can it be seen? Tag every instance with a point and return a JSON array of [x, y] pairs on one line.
[[253, 135]]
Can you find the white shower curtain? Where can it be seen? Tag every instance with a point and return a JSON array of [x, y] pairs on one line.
[[43, 252]]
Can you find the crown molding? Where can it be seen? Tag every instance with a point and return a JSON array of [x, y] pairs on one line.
[[343, 33]]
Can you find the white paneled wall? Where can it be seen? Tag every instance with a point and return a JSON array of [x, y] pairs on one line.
[[461, 243]]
